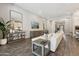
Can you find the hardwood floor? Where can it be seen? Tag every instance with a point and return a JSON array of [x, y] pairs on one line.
[[67, 47], [22, 47]]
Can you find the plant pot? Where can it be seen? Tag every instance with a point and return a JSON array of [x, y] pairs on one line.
[[3, 41]]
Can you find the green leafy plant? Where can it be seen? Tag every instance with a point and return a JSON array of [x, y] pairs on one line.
[[3, 27]]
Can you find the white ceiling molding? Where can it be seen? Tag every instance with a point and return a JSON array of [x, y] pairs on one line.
[[49, 10]]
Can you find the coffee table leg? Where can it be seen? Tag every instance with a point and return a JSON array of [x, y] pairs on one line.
[[42, 50], [32, 47]]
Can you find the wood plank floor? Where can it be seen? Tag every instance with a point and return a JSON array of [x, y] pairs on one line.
[[67, 47], [22, 47]]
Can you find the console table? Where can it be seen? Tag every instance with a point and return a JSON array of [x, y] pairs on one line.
[[16, 35]]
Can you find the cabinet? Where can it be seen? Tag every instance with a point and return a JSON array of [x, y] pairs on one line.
[[36, 33]]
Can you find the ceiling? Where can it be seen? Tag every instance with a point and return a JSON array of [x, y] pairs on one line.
[[50, 10]]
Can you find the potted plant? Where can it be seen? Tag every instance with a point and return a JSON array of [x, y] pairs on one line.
[[3, 39]]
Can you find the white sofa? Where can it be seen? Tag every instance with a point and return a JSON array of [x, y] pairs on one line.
[[55, 39]]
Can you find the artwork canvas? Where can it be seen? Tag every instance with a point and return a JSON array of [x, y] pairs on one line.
[[34, 25], [16, 19], [16, 15]]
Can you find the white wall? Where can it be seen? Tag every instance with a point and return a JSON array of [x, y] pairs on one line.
[[27, 17], [67, 26], [66, 21], [75, 18], [51, 26]]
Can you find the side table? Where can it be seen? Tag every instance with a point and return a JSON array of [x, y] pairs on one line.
[[38, 47]]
